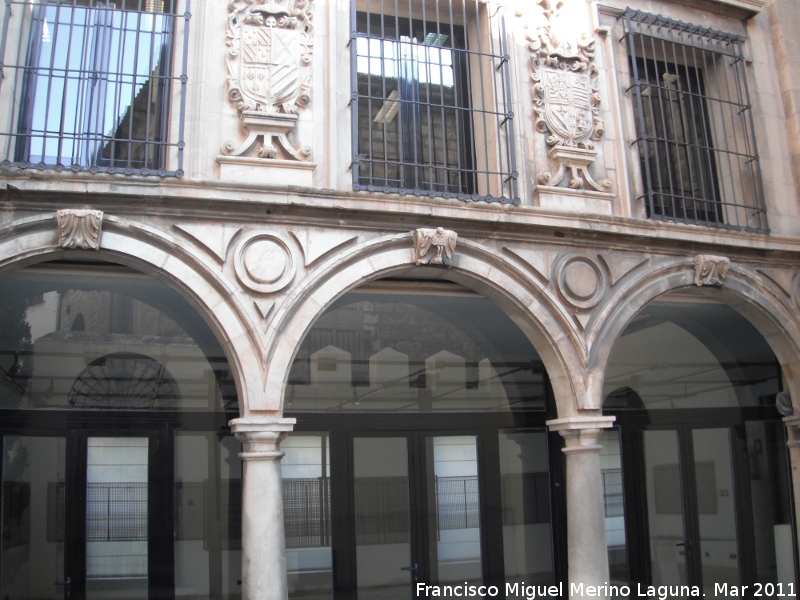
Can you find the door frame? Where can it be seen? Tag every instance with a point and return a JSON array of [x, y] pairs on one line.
[[341, 428], [631, 424], [76, 427]]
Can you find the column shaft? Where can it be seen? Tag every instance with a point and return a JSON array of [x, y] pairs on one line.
[[586, 526], [263, 542]]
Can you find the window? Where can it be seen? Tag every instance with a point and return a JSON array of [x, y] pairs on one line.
[[694, 124], [92, 81], [432, 113]]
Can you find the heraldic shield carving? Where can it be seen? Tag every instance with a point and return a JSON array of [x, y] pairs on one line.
[[566, 99], [270, 46]]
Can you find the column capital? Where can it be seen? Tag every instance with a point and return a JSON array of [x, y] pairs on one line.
[[793, 427], [581, 433], [261, 437]]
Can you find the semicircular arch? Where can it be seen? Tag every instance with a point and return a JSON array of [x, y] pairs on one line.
[[152, 252], [538, 315], [740, 290]]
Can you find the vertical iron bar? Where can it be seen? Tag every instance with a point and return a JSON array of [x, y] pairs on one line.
[[759, 200], [644, 144]]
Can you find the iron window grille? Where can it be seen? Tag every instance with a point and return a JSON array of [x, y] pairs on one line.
[[694, 124], [431, 99], [89, 83]]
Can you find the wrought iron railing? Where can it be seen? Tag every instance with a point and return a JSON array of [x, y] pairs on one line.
[[694, 122], [431, 100], [88, 85]]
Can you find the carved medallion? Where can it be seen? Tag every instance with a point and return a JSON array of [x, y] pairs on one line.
[[270, 46], [79, 228], [710, 269], [434, 246], [264, 263], [580, 280]]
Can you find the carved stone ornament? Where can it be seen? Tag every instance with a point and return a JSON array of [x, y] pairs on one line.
[[79, 228], [270, 45], [434, 246], [710, 269], [566, 101]]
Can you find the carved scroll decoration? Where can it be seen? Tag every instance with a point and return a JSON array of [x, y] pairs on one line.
[[710, 269], [566, 100], [434, 246], [79, 228], [270, 47]]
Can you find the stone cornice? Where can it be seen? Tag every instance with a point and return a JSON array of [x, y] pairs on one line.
[[369, 210]]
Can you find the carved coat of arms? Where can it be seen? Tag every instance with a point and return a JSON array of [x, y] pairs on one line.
[[269, 54], [566, 100], [568, 106], [565, 93]]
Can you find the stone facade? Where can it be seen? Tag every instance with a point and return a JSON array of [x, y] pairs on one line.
[[262, 245]]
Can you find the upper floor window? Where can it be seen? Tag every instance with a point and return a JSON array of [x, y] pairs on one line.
[[694, 124], [92, 82], [431, 106]]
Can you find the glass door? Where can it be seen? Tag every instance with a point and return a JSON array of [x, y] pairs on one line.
[[416, 513], [82, 518], [35, 489], [691, 496], [116, 517]]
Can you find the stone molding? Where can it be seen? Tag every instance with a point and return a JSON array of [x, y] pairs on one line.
[[531, 279], [270, 48], [581, 433], [434, 246], [79, 228], [261, 437], [793, 427]]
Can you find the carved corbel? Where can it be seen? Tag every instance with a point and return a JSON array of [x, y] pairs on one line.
[[434, 246], [710, 269], [79, 228], [566, 100], [270, 47]]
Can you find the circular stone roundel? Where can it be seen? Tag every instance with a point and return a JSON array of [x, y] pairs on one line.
[[580, 282], [264, 263]]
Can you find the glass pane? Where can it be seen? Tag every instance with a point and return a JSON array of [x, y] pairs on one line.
[[305, 470], [33, 516], [664, 507], [770, 496], [611, 465], [208, 526], [527, 542], [719, 553], [454, 520], [415, 352], [113, 118], [677, 354], [382, 516], [116, 517], [109, 339]]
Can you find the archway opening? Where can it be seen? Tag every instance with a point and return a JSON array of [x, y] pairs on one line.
[[696, 474], [119, 475], [420, 451]]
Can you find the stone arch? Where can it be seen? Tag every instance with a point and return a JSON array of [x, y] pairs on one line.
[[741, 290], [148, 250], [529, 305]]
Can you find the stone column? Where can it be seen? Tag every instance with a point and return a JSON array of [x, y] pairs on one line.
[[263, 544], [793, 442], [586, 525]]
